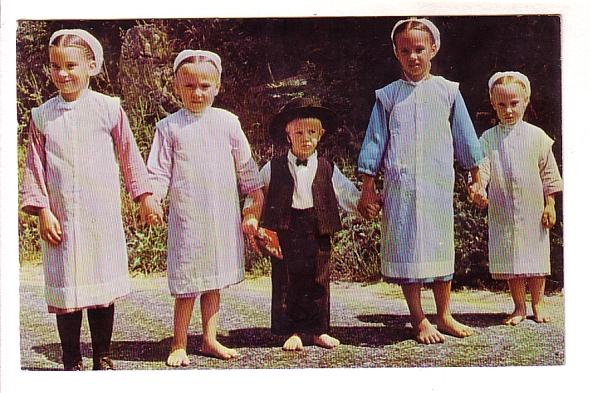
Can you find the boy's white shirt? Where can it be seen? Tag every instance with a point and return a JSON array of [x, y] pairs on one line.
[[346, 192]]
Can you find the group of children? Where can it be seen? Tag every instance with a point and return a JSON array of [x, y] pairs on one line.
[[201, 158]]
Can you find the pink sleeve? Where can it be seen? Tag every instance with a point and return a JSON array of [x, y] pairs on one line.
[[549, 172], [34, 195], [159, 163], [249, 178], [131, 163]]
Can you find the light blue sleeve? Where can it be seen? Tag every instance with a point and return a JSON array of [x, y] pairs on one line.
[[465, 141], [375, 142], [346, 192]]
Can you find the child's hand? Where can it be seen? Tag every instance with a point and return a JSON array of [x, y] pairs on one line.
[[369, 202], [250, 229], [150, 210], [49, 227], [373, 210], [477, 195], [549, 216]]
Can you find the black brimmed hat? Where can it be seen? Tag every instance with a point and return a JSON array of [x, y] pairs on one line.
[[299, 108]]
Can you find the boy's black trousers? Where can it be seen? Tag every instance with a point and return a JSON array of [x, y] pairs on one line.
[[301, 281]]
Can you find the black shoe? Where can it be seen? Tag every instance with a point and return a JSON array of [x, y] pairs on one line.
[[103, 363], [74, 367]]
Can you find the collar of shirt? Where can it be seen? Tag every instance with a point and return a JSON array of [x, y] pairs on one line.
[[312, 161], [415, 83], [303, 177], [510, 127], [67, 105], [188, 114]]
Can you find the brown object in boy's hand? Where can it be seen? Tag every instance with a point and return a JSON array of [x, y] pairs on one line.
[[269, 241]]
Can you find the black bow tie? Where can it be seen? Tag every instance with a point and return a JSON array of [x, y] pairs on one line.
[[301, 162]]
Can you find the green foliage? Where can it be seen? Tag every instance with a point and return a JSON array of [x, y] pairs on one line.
[[356, 250]]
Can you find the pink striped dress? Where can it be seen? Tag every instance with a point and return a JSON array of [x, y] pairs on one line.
[[71, 168], [203, 161]]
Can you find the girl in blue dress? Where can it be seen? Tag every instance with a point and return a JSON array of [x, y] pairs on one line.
[[416, 125]]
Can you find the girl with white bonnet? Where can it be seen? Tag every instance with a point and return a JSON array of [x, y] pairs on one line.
[[200, 157], [522, 177], [417, 125], [71, 182]]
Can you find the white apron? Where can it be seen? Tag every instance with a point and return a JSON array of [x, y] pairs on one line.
[[89, 266], [517, 159], [204, 161]]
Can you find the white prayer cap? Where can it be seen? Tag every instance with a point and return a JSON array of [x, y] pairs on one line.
[[92, 42], [516, 75], [433, 29], [213, 57]]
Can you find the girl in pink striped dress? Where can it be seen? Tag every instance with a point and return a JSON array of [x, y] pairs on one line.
[[71, 181], [200, 157], [522, 178]]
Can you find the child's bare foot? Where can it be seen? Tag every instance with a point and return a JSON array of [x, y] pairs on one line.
[[325, 341], [177, 358], [216, 350], [427, 334], [515, 318], [293, 343], [449, 325], [540, 314]]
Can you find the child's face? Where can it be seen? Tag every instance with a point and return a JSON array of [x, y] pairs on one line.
[[304, 136], [414, 50], [509, 102], [197, 85], [70, 70]]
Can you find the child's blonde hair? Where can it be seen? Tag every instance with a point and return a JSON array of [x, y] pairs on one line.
[[507, 77], [71, 40], [506, 80], [421, 24], [198, 59], [412, 25], [78, 38]]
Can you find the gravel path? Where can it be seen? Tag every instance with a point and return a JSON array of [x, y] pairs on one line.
[[370, 320]]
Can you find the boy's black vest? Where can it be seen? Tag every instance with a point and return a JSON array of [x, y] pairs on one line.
[[279, 198]]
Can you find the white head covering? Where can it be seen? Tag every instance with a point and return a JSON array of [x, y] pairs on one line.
[[92, 42], [516, 75], [433, 29], [213, 57]]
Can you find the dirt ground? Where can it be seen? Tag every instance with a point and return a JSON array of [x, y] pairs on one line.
[[370, 320]]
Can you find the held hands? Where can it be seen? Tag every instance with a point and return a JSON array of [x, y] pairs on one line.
[[150, 210], [49, 227], [477, 195], [370, 202]]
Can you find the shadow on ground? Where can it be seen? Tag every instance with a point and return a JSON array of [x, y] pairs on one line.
[[479, 320], [392, 329]]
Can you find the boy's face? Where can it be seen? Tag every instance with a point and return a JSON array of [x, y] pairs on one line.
[[414, 50], [70, 70], [197, 85], [304, 136], [509, 102]]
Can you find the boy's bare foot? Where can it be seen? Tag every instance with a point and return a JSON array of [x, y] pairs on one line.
[[293, 343], [540, 314], [216, 350], [427, 334], [325, 341], [515, 318], [449, 325], [177, 358]]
